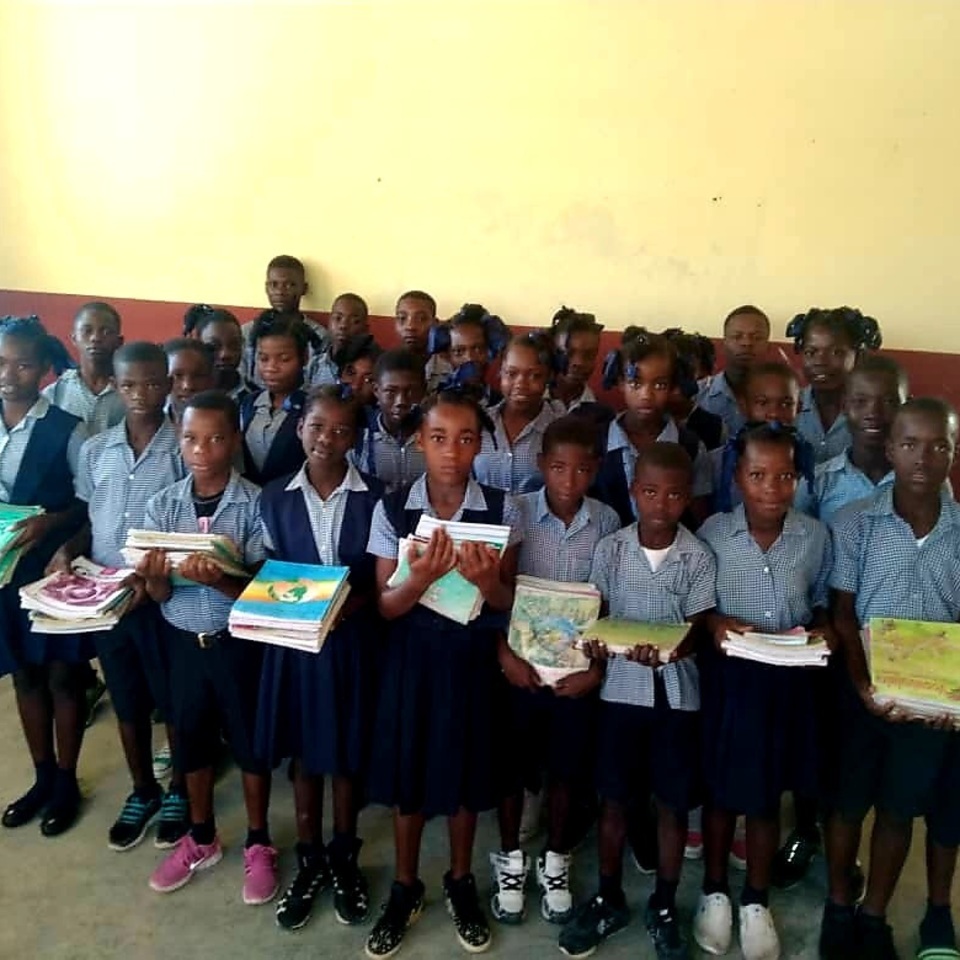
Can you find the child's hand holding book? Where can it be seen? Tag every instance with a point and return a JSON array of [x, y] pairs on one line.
[[479, 564], [436, 559], [31, 530]]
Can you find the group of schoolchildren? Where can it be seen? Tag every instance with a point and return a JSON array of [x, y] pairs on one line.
[[732, 501]]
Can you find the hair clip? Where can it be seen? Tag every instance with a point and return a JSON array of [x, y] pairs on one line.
[[438, 339], [612, 369]]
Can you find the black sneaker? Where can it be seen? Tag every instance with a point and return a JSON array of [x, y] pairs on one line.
[[93, 694], [351, 898], [793, 859], [875, 938], [471, 925], [664, 929], [313, 877], [838, 932], [174, 820], [642, 838], [400, 912], [134, 820], [596, 920], [938, 936]]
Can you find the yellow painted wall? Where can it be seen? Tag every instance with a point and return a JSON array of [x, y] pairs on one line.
[[654, 160]]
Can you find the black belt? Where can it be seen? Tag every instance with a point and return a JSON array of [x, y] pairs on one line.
[[208, 638]]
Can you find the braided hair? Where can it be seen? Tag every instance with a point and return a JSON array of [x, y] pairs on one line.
[[567, 321], [636, 345], [459, 395], [48, 350], [201, 315], [862, 332], [271, 323], [338, 394]]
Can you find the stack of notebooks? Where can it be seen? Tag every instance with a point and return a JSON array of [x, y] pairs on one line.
[[793, 648], [552, 620], [451, 596], [87, 599], [915, 665], [10, 516], [291, 605], [222, 550]]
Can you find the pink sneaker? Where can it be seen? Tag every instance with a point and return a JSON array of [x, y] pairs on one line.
[[260, 879], [186, 860]]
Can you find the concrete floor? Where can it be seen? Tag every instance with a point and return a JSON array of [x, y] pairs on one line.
[[74, 898]]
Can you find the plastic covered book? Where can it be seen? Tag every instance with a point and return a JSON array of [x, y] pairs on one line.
[[178, 546], [621, 635], [90, 597], [788, 649], [915, 665], [10, 515]]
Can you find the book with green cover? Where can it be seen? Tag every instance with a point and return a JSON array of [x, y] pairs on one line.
[[10, 515], [620, 635]]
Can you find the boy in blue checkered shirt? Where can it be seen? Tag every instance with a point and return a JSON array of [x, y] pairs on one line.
[[898, 555]]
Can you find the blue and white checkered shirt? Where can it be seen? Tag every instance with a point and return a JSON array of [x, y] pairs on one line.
[[681, 587], [879, 560], [716, 396], [248, 360], [384, 541], [552, 550], [836, 483], [326, 516], [395, 463], [504, 466], [826, 443], [588, 396], [776, 590], [265, 424], [97, 410], [322, 371], [197, 608], [116, 487]]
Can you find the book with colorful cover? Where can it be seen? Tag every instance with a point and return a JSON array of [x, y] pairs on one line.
[[88, 590], [178, 546], [10, 515], [620, 635], [915, 665]]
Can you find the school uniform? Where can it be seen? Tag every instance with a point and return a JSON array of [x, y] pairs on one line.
[[619, 463], [649, 727], [826, 443], [271, 447], [587, 397], [905, 769], [762, 723], [394, 461], [317, 707], [438, 726], [436, 370], [716, 396], [323, 372], [98, 411], [116, 486], [507, 466], [248, 361], [553, 736], [38, 460]]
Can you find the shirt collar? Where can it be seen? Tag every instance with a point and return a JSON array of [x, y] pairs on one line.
[[684, 543], [166, 432], [548, 413], [842, 463], [382, 431], [882, 505], [582, 517], [792, 524], [39, 409], [617, 438], [237, 490], [473, 498], [352, 482], [719, 386]]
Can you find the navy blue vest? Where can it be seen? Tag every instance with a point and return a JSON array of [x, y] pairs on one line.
[[707, 426], [286, 452]]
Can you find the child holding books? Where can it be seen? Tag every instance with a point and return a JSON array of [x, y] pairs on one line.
[[772, 570], [190, 365], [897, 554], [436, 743], [214, 677], [315, 708], [38, 460], [829, 341], [268, 418], [389, 447], [653, 571], [356, 362], [508, 456], [551, 728], [219, 331]]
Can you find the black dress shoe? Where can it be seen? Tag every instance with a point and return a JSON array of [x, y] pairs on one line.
[[60, 815], [27, 807]]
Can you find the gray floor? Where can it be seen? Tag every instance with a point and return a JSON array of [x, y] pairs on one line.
[[73, 898]]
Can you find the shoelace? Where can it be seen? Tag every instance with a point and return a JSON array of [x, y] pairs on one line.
[[508, 880], [173, 808], [133, 810], [347, 878], [557, 881], [305, 884]]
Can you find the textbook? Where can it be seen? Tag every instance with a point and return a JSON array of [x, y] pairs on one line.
[[915, 665], [451, 596], [290, 605], [10, 515], [621, 635], [178, 546], [788, 649]]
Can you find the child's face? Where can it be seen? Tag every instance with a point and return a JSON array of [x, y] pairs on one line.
[[581, 349], [661, 495], [921, 449], [647, 395], [523, 379], [771, 397], [767, 478], [870, 404], [347, 319], [279, 363], [468, 344], [746, 338], [208, 443], [226, 342], [398, 392], [827, 358], [358, 376], [20, 370], [567, 470], [328, 433], [285, 287], [450, 439], [143, 387], [189, 374], [96, 336], [413, 321]]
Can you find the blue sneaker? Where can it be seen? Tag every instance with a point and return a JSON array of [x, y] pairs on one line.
[[134, 820], [174, 819]]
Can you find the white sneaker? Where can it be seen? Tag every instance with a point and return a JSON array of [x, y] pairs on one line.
[[510, 871], [530, 818], [162, 762], [713, 923], [553, 879], [758, 935]]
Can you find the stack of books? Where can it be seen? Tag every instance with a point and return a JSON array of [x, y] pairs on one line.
[[291, 605], [915, 665], [793, 648], [87, 599], [451, 596], [178, 546], [10, 515]]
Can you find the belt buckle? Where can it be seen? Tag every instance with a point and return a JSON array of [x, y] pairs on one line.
[[205, 640]]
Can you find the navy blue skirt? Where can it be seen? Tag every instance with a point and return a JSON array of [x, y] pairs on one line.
[[316, 707], [440, 718]]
